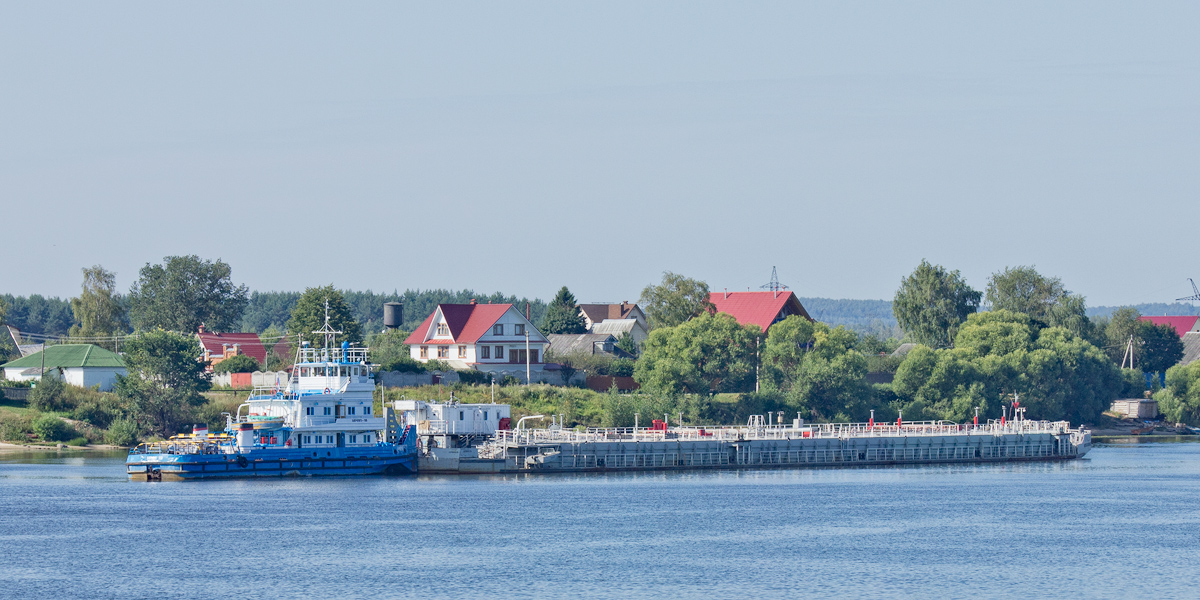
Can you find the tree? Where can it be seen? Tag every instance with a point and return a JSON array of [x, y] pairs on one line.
[[1058, 374], [818, 369], [931, 304], [309, 316], [1160, 345], [1121, 327], [710, 353], [98, 307], [675, 300], [562, 315], [627, 343], [6, 348], [239, 363], [1179, 401], [166, 377], [184, 293]]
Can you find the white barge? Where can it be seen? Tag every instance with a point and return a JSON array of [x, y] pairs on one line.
[[455, 444]]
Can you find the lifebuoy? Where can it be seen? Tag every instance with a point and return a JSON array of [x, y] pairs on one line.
[[242, 461], [326, 390]]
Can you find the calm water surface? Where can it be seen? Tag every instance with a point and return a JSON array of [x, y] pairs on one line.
[[1123, 523]]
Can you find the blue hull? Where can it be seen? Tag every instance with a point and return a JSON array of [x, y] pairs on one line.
[[283, 462]]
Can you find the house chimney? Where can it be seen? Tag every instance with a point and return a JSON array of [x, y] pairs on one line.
[[526, 311], [472, 301], [202, 328], [726, 293]]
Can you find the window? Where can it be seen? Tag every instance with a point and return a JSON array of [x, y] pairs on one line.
[[498, 329], [366, 438], [354, 371], [327, 412], [442, 329], [329, 439], [485, 352], [519, 329], [366, 410], [460, 415], [350, 410], [462, 351], [533, 356], [309, 411], [306, 439], [424, 351], [485, 415], [443, 351], [500, 352], [516, 356], [354, 439]]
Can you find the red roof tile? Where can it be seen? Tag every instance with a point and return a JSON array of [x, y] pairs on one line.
[[759, 308], [1181, 324], [467, 322], [249, 343]]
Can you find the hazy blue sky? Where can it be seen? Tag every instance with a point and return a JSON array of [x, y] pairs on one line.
[[523, 146]]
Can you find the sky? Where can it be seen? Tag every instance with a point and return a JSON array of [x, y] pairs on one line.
[[519, 147]]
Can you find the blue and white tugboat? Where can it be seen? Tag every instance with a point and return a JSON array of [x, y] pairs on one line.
[[320, 423]]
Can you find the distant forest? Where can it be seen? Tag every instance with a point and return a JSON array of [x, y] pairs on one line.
[[53, 316]]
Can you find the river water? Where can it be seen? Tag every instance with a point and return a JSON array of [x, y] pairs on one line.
[[1123, 522]]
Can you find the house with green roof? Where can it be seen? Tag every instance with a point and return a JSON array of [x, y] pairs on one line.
[[84, 365]]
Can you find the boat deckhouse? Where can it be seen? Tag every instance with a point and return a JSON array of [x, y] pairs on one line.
[[495, 338]]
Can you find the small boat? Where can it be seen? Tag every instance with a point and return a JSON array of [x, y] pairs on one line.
[[320, 423], [1147, 430]]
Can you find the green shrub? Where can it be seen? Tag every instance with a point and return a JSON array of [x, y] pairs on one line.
[[15, 428], [237, 364], [472, 376], [79, 441], [53, 429], [48, 395], [122, 432], [99, 411]]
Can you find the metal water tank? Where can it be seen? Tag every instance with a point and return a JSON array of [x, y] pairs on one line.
[[393, 315]]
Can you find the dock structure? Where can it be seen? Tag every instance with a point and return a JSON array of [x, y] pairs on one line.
[[767, 446]]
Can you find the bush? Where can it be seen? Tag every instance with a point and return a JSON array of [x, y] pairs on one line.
[[53, 429], [122, 432], [50, 394], [15, 428], [99, 411], [471, 376], [79, 441], [403, 364], [237, 364]]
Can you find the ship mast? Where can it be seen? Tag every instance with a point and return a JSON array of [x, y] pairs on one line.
[[326, 329]]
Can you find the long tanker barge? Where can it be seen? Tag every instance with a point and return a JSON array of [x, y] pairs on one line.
[[454, 443]]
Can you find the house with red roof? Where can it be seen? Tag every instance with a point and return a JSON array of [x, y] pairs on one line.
[[1181, 324], [219, 346], [485, 337], [760, 308]]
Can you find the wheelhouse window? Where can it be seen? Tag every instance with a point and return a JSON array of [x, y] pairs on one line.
[[424, 351], [485, 352], [442, 329], [498, 329], [443, 351]]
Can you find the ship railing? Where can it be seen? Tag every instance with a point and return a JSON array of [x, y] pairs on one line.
[[348, 356], [775, 432], [221, 445]]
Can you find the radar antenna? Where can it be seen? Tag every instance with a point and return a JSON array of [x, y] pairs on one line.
[[326, 330], [1195, 297], [774, 284]]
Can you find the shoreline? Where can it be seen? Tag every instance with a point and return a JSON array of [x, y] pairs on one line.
[[9, 447]]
